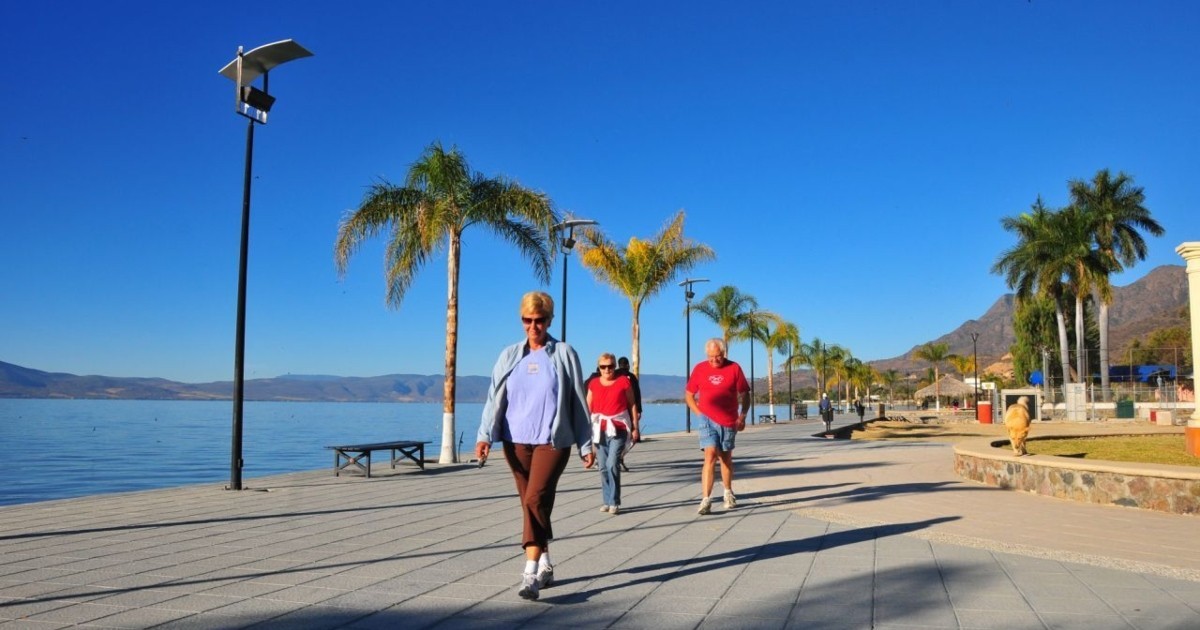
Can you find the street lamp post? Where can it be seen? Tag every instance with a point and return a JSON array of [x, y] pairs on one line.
[[687, 344], [567, 243], [254, 104], [791, 403], [975, 356], [750, 323]]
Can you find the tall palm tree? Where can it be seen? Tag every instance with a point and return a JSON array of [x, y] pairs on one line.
[[440, 199], [1081, 267], [641, 269], [847, 370], [890, 378], [934, 353], [819, 356], [727, 308], [756, 326], [1035, 266], [1117, 216], [961, 363], [782, 336]]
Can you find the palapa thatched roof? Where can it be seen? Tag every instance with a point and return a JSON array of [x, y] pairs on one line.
[[946, 386]]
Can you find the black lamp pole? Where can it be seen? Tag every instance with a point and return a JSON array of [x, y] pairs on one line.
[[568, 241], [253, 104], [750, 324], [975, 356], [687, 343], [791, 404]]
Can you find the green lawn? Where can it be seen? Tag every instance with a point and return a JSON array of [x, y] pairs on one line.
[[1150, 449]]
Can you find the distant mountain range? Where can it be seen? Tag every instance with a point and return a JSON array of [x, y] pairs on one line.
[[1155, 301]]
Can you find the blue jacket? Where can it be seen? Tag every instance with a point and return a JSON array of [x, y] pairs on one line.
[[572, 422]]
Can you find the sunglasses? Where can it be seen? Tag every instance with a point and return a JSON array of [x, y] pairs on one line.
[[538, 321], [606, 367]]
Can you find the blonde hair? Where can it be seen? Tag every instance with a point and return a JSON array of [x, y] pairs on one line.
[[607, 355], [538, 302]]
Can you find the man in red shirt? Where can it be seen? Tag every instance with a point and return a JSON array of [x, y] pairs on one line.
[[720, 385]]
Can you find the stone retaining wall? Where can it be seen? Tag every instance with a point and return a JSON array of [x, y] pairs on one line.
[[1174, 489]]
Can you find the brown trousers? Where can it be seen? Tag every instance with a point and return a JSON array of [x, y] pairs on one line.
[[536, 469]]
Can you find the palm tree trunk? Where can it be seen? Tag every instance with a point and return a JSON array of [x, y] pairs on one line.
[[937, 389], [1102, 323], [635, 353], [770, 382], [449, 453], [1064, 347], [1080, 341]]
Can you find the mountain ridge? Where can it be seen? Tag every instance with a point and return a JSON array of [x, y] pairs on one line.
[[1154, 301]]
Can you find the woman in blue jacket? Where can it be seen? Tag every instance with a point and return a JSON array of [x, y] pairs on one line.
[[537, 407]]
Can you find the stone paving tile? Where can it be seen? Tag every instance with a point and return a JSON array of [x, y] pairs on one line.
[[1067, 621], [204, 621], [75, 614], [657, 621], [1013, 619], [14, 608], [197, 602], [138, 618]]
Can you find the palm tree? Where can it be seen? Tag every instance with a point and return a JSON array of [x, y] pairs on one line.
[[1035, 266], [934, 353], [783, 336], [890, 378], [1082, 267], [1116, 216], [847, 370], [440, 199], [755, 326], [819, 356], [641, 269], [727, 308], [961, 364]]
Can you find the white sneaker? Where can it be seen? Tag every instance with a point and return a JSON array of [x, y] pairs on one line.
[[529, 586], [705, 506], [730, 500], [614, 510], [545, 576], [604, 508]]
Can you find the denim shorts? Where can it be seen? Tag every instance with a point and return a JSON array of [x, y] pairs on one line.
[[713, 434]]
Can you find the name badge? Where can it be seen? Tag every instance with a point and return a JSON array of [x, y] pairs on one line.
[[533, 368]]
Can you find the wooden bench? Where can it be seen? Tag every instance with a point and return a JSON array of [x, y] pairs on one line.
[[353, 455]]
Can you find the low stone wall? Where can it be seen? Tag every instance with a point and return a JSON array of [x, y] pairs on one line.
[[1174, 489]]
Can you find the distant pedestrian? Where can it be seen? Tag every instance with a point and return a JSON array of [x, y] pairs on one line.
[[714, 391], [537, 407], [825, 407], [623, 370], [1016, 419], [861, 409], [614, 424]]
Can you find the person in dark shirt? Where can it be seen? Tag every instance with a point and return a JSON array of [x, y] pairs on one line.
[[623, 370]]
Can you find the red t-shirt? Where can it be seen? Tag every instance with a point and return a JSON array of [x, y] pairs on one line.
[[718, 390], [610, 399]]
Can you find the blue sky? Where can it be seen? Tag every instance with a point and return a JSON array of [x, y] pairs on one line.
[[848, 161]]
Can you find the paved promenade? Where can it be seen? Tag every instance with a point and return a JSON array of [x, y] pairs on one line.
[[828, 534]]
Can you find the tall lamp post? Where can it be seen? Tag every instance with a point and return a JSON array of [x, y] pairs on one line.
[[791, 404], [975, 357], [567, 243], [750, 323], [687, 344], [254, 104]]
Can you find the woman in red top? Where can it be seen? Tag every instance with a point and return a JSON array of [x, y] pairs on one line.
[[614, 424]]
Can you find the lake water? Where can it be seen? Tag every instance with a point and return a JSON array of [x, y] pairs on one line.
[[69, 448]]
